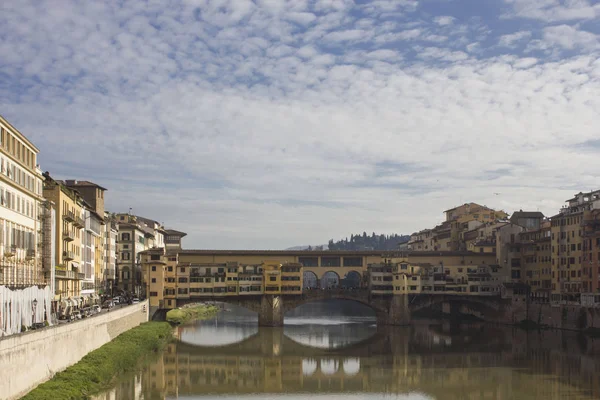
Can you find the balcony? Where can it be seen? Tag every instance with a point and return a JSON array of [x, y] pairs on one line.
[[79, 222], [61, 273], [68, 255], [68, 236], [69, 216], [10, 251]]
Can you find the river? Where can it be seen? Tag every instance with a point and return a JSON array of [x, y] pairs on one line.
[[335, 351]]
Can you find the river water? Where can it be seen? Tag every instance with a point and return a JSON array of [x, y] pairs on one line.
[[335, 351]]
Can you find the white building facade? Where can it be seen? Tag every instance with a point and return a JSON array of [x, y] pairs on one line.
[[24, 295]]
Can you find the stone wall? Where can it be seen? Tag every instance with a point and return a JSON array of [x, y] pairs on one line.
[[32, 358]]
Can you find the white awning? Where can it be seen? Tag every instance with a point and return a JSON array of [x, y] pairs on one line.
[[74, 265]]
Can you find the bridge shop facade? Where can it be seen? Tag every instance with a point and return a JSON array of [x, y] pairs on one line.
[[273, 282]]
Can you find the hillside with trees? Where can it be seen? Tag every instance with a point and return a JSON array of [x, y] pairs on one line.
[[366, 242]]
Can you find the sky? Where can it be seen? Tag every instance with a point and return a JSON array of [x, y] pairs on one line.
[[267, 124]]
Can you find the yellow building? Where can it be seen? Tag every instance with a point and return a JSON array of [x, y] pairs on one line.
[[536, 257], [566, 248], [153, 268], [168, 278], [69, 229], [449, 272]]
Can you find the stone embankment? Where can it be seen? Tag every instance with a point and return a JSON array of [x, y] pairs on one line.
[[32, 358]]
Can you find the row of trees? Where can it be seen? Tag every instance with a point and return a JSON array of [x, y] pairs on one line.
[[366, 242]]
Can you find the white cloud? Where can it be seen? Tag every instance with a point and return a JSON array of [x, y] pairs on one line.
[[252, 123], [570, 38], [555, 10], [303, 18], [444, 20], [511, 39], [525, 62], [347, 35]]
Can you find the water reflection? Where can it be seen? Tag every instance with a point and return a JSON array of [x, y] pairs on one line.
[[430, 360], [221, 331]]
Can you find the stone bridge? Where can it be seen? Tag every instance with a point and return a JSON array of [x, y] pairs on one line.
[[389, 310]]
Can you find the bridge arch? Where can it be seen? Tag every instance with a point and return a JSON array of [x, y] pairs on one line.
[[352, 279], [311, 281], [330, 279]]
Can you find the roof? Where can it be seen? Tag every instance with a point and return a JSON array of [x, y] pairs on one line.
[[527, 214], [173, 232], [467, 204], [76, 183]]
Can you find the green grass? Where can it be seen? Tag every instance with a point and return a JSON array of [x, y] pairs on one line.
[[182, 315], [96, 371]]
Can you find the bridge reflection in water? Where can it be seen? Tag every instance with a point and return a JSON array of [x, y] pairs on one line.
[[435, 360]]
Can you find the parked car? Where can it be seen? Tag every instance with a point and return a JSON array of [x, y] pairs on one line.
[[116, 300], [135, 300], [96, 309]]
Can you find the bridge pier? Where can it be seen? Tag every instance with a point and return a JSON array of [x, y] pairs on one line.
[[397, 313], [271, 310]]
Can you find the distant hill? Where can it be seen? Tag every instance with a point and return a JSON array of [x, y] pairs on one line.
[[369, 242]]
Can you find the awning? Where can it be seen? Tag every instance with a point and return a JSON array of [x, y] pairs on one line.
[[74, 265]]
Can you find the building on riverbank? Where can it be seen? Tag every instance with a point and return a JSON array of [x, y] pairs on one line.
[[24, 290], [69, 232], [94, 238], [135, 234]]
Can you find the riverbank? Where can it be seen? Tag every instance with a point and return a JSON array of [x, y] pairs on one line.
[[97, 370], [186, 314]]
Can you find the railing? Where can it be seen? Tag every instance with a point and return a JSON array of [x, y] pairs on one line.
[[11, 251], [61, 273], [68, 236], [69, 216], [68, 255], [79, 222]]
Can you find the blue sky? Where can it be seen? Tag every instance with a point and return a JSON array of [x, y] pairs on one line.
[[272, 123]]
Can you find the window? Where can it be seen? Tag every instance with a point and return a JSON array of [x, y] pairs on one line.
[[153, 280], [153, 268], [330, 261], [170, 269], [272, 278], [309, 261], [353, 261], [182, 269], [155, 257], [125, 236]]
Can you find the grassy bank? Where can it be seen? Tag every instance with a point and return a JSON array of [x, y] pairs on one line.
[[96, 370], [191, 313]]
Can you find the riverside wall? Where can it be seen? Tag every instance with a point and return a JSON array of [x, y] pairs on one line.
[[31, 358], [556, 316]]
